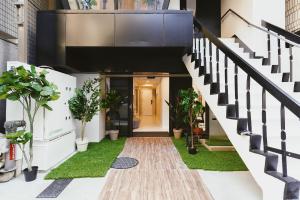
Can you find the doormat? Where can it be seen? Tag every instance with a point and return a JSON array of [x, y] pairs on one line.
[[124, 163], [55, 188]]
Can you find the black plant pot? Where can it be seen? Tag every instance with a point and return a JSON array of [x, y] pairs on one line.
[[30, 175], [192, 150]]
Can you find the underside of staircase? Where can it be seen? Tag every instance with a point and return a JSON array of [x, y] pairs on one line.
[[258, 111]]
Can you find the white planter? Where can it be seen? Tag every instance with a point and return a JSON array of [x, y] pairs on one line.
[[177, 133], [113, 134], [82, 144]]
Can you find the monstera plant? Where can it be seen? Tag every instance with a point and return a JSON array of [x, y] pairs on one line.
[[33, 91]]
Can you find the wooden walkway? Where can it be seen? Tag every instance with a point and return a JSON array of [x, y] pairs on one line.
[[160, 174]]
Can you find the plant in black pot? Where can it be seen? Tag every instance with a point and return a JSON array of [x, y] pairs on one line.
[[84, 106], [192, 106], [32, 90], [21, 138], [112, 103], [177, 117]]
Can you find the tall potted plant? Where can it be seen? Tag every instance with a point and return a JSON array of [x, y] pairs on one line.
[[177, 116], [84, 106], [192, 106], [32, 90], [111, 103]]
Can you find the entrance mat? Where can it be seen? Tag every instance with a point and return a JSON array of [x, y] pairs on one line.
[[55, 188], [124, 163]]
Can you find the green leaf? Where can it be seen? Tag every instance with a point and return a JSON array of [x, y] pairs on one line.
[[33, 69], [13, 96], [47, 91], [47, 107], [36, 86], [22, 71], [3, 96]]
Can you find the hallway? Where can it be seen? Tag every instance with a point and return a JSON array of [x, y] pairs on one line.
[[160, 174]]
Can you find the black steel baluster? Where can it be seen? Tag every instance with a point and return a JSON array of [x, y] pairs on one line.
[[215, 86], [249, 105], [199, 51], [279, 55], [226, 78], [208, 78], [291, 62], [264, 121], [269, 49], [218, 66], [203, 70], [283, 143], [267, 61], [236, 91], [194, 51], [210, 62]]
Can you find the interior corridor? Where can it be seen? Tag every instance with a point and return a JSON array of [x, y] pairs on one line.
[[150, 110]]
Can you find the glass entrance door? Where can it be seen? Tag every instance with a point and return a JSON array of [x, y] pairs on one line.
[[123, 85]]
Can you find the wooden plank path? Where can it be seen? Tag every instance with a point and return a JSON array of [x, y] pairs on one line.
[[160, 174]]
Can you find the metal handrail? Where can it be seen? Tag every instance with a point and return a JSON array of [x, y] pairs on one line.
[[277, 35], [288, 35], [284, 98]]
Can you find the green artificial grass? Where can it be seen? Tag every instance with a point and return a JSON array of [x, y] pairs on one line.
[[210, 160], [95, 162], [217, 142]]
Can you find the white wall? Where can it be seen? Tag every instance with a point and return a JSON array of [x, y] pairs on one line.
[[174, 5], [164, 106], [254, 11], [95, 129]]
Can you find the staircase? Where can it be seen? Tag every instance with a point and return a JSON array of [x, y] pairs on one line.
[[257, 106]]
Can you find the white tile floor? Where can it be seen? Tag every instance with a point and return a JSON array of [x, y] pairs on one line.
[[149, 123], [78, 189], [231, 185]]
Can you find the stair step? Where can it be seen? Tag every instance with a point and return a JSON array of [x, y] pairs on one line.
[[274, 69], [285, 77], [297, 87], [193, 57], [255, 142], [214, 88], [271, 162], [242, 126], [292, 186], [266, 61], [197, 63], [222, 99], [207, 79], [231, 111], [201, 70]]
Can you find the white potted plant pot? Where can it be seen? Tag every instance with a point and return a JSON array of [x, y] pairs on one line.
[[177, 133], [82, 144], [113, 134]]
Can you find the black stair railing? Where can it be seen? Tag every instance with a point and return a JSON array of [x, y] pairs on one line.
[[291, 40], [244, 125]]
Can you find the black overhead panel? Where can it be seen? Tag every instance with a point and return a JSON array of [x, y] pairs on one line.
[[209, 13], [91, 41], [126, 59]]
